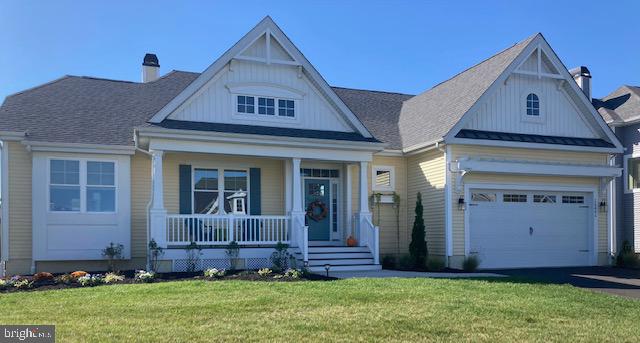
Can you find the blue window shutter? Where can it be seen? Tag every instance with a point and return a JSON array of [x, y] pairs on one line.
[[254, 189], [185, 189]]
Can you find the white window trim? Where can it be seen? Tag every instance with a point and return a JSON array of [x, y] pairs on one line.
[[392, 178], [625, 173], [540, 119], [83, 184], [221, 190]]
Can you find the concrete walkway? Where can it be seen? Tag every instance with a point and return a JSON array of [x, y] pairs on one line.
[[404, 274]]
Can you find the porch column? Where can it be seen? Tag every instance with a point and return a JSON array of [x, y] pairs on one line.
[[297, 186], [288, 186], [157, 213], [349, 200], [363, 211], [298, 234]]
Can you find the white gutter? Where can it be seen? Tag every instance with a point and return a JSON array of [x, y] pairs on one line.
[[79, 148], [4, 188]]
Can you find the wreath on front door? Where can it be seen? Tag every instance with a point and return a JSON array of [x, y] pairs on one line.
[[317, 215]]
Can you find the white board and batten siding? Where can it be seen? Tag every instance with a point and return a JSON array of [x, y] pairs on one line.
[[64, 236], [216, 100], [504, 110]]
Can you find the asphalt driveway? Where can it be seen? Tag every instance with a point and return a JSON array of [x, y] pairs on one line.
[[618, 281]]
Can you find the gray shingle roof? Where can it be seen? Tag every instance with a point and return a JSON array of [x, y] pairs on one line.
[[378, 111], [76, 109], [622, 104], [429, 116]]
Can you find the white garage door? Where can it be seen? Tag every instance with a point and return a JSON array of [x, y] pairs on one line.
[[513, 229]]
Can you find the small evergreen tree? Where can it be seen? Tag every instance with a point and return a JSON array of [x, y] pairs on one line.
[[418, 246]]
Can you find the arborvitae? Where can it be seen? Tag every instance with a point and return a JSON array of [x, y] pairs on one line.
[[418, 246]]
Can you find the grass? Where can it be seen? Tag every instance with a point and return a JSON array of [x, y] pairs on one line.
[[345, 310]]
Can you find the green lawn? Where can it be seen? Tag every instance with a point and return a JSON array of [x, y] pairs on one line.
[[346, 310]]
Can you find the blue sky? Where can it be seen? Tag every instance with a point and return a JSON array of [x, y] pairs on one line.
[[403, 46]]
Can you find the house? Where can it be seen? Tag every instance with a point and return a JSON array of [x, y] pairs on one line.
[[621, 110], [511, 158]]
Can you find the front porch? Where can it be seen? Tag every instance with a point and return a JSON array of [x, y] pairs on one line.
[[211, 200]]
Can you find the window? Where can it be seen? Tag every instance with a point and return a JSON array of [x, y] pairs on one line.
[[547, 199], [633, 173], [64, 186], [334, 207], [211, 185], [101, 187], [533, 105], [308, 172], [70, 192], [514, 198], [383, 178], [205, 190], [266, 106], [572, 199], [286, 108], [483, 197], [246, 104]]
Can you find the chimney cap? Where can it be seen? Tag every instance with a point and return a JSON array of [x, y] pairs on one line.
[[581, 70], [151, 60]]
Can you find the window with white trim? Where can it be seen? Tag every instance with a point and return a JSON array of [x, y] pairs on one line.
[[533, 105], [266, 106], [483, 197], [633, 173], [543, 198], [71, 181], [572, 199], [246, 104], [286, 108], [514, 198], [211, 185], [383, 178]]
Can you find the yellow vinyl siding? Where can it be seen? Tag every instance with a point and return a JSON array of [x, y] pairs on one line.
[[19, 208], [140, 197], [426, 174], [578, 158], [271, 177], [388, 219]]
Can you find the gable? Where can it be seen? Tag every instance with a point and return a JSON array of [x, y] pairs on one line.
[[216, 102], [535, 95], [263, 64]]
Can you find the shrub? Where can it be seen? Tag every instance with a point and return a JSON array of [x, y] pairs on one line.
[[4, 284], [194, 251], [280, 258], [418, 245], [155, 253], [627, 258], [265, 272], [78, 274], [23, 284], [90, 280], [145, 276], [113, 278], [214, 273], [293, 273], [42, 276], [405, 262], [113, 253], [389, 262], [64, 279], [470, 263], [435, 264]]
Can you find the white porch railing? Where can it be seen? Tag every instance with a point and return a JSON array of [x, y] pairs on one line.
[[300, 237], [182, 229], [369, 236]]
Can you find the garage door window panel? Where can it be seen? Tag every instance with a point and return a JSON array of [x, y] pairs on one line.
[[518, 198], [483, 197], [544, 199], [572, 199]]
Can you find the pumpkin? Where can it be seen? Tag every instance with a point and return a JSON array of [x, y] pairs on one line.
[[351, 242], [78, 274]]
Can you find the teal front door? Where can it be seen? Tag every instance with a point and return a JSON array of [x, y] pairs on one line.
[[317, 202]]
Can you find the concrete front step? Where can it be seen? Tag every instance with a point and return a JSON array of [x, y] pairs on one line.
[[335, 255], [347, 268], [338, 262]]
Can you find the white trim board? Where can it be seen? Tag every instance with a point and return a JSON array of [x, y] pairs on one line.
[[593, 258], [4, 188], [532, 168]]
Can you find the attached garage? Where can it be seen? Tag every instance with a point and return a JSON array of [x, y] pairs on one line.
[[512, 228]]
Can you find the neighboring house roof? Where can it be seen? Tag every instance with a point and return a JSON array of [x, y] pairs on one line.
[[429, 116], [78, 109], [621, 105], [378, 111]]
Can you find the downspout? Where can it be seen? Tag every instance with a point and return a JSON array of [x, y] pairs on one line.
[[612, 211], [4, 215], [148, 207], [447, 203]]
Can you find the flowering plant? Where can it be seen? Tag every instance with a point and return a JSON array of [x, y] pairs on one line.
[[293, 273], [113, 278], [145, 276], [90, 280], [78, 274], [42, 276], [214, 273], [265, 272], [22, 284]]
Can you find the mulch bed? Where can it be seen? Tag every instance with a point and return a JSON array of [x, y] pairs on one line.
[[170, 277]]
